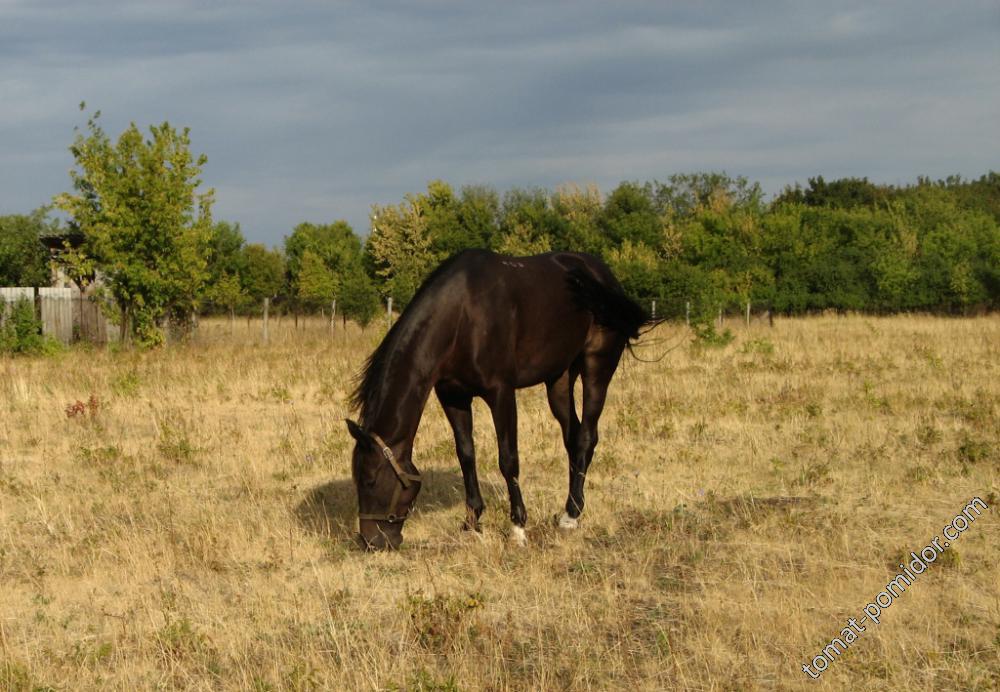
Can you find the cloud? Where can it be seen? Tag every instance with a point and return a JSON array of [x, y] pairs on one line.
[[317, 110]]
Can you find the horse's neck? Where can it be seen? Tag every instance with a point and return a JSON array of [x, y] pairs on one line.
[[406, 390]]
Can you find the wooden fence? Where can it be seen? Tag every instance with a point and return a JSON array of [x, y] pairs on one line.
[[65, 313]]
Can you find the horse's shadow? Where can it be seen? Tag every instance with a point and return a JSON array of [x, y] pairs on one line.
[[330, 510]]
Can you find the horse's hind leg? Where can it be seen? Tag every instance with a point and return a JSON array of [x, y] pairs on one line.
[[503, 405], [597, 372], [458, 411], [560, 394]]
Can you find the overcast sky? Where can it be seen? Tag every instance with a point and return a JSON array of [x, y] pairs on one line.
[[313, 111]]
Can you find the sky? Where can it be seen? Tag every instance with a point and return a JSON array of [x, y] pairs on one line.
[[314, 111]]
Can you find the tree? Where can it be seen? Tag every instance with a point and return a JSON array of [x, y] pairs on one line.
[[263, 274], [225, 266], [399, 248], [629, 214], [225, 245], [144, 224], [636, 266], [687, 194], [24, 261], [358, 297], [315, 284], [580, 209], [227, 292], [439, 208], [478, 210], [523, 240], [335, 244], [528, 223], [844, 193]]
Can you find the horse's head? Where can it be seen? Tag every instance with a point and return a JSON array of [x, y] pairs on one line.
[[387, 486]]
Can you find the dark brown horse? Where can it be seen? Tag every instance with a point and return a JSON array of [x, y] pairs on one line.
[[487, 325]]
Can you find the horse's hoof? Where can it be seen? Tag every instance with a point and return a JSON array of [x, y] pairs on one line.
[[567, 522], [471, 520], [518, 537]]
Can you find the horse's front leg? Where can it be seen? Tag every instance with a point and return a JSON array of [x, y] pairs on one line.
[[458, 411], [503, 404]]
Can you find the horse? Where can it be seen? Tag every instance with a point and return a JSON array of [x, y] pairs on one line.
[[485, 325]]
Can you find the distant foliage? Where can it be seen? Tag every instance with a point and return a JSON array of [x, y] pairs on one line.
[[705, 242], [696, 243], [699, 243]]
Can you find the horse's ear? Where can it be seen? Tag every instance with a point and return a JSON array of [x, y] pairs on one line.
[[357, 433]]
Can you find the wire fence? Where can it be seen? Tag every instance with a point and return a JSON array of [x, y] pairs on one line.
[[68, 315]]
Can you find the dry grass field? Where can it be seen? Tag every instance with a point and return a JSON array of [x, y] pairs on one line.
[[183, 519]]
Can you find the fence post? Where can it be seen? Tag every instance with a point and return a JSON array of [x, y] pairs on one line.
[[687, 313], [333, 313], [748, 314], [654, 310], [267, 304], [388, 312]]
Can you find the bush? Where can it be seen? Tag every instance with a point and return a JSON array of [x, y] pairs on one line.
[[706, 335], [21, 330]]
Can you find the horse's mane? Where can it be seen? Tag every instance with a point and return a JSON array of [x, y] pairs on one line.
[[370, 382]]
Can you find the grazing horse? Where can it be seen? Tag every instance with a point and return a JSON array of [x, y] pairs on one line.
[[487, 325]]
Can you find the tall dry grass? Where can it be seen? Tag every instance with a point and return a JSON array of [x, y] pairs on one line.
[[182, 519]]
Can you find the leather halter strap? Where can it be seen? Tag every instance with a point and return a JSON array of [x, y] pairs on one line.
[[405, 479]]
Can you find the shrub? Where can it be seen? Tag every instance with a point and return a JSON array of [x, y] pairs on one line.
[[21, 330], [706, 335]]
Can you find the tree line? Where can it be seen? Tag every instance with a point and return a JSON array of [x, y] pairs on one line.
[[696, 242], [707, 241]]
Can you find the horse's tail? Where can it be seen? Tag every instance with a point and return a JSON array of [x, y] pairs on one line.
[[609, 305]]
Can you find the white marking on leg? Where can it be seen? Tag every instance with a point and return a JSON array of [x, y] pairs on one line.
[[567, 522], [517, 535]]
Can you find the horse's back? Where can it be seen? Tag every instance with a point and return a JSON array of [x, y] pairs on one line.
[[515, 318]]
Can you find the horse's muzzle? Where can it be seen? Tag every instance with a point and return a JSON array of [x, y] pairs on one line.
[[380, 535]]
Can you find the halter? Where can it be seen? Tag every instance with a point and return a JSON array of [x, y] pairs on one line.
[[404, 482]]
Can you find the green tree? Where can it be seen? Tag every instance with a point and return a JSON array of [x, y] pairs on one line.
[[335, 244], [227, 292], [225, 245], [688, 194], [439, 208], [316, 284], [523, 240], [144, 223], [844, 193], [358, 297], [580, 209], [399, 248], [24, 261], [629, 214], [478, 211], [453, 223], [224, 287], [263, 273], [637, 267], [528, 223]]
